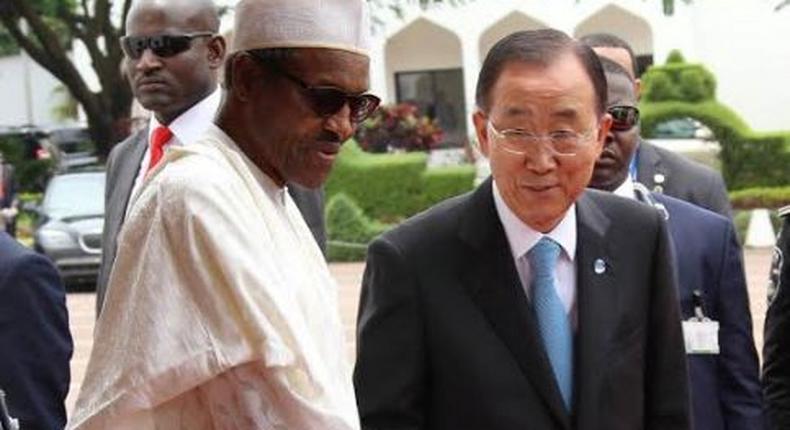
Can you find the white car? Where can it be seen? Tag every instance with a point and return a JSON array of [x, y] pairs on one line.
[[684, 135]]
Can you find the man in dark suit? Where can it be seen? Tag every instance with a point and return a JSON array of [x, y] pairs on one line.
[[659, 169], [35, 338], [180, 88], [530, 303], [725, 385], [776, 351]]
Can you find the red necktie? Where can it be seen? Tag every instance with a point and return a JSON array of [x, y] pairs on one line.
[[159, 138]]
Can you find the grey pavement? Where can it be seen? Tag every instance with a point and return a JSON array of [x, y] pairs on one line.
[[349, 276]]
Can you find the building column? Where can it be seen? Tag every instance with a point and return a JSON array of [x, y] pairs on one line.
[[471, 62], [378, 71]]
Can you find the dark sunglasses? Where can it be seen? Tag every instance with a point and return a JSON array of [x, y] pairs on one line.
[[162, 45], [624, 117], [327, 101]]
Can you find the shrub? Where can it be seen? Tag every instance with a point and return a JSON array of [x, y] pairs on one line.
[[761, 197], [678, 81], [657, 86], [748, 159], [675, 56], [30, 174], [349, 229], [399, 127], [692, 85], [390, 187]]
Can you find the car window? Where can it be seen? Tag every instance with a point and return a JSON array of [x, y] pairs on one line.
[[681, 128], [70, 196], [675, 129]]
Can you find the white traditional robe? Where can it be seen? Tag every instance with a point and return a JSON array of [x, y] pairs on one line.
[[220, 312]]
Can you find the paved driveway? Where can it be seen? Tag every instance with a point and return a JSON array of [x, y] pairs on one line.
[[349, 276]]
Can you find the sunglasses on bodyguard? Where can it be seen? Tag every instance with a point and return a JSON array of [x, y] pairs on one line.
[[327, 101], [162, 45], [624, 117]]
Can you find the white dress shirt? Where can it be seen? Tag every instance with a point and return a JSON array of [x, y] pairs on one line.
[[187, 129], [522, 238], [626, 189]]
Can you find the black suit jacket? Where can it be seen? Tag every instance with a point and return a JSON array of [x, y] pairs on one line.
[[35, 343], [447, 338], [776, 351], [123, 165], [666, 172]]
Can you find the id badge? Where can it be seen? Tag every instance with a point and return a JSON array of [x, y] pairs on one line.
[[701, 337]]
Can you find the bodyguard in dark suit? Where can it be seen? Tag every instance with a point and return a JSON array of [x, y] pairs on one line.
[[184, 100], [661, 170], [664, 171], [34, 338], [529, 303], [725, 385], [776, 351]]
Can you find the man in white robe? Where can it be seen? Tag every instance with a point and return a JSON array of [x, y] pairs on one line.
[[221, 313]]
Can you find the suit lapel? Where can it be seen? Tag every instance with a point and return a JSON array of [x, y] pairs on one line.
[[650, 167], [492, 281], [597, 304], [128, 168]]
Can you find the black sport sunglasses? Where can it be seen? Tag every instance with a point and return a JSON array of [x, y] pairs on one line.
[[326, 101], [162, 45], [624, 117]]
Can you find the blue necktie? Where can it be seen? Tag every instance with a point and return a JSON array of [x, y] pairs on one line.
[[553, 322]]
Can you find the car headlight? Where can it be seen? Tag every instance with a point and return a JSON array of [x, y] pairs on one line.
[[56, 239]]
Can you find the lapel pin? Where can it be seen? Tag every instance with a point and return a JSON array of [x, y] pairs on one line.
[[599, 266]]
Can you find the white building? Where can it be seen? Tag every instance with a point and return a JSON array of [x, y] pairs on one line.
[[435, 55], [29, 93]]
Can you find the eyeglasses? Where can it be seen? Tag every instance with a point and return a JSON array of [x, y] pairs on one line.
[[561, 142], [162, 45], [624, 117], [327, 101]]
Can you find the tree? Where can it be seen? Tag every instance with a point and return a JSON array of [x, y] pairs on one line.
[[45, 29]]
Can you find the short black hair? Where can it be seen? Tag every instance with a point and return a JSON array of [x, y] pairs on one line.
[[607, 40], [540, 47], [614, 68], [267, 57]]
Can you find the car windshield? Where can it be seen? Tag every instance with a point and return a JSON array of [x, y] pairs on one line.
[[681, 128], [74, 196]]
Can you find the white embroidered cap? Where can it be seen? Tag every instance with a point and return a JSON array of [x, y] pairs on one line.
[[335, 24]]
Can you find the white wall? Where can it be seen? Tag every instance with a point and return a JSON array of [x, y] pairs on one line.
[[620, 22], [27, 91], [406, 51], [513, 22], [748, 49]]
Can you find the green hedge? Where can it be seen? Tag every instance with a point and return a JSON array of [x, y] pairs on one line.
[[31, 175], [749, 159], [349, 230], [678, 82], [391, 187], [753, 198]]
